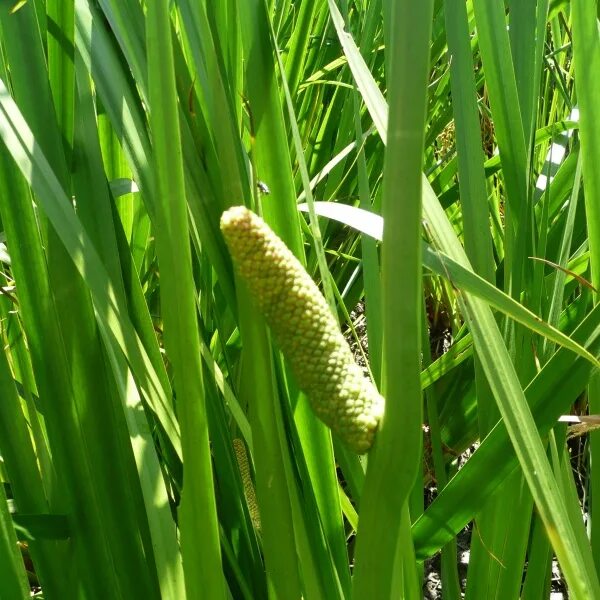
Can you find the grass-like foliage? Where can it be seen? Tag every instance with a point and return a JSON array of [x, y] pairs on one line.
[[181, 416]]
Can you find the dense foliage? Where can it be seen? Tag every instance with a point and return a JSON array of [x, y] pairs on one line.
[[433, 163]]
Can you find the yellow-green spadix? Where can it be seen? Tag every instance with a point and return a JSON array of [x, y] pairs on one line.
[[304, 328]]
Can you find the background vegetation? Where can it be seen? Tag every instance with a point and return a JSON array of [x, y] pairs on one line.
[[153, 441]]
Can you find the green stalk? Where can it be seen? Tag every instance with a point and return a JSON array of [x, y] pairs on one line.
[[395, 460], [12, 571], [586, 55], [197, 511]]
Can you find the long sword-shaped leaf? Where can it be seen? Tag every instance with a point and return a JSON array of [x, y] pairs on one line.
[[502, 378], [586, 54], [552, 391], [12, 570], [197, 511], [113, 323], [460, 276]]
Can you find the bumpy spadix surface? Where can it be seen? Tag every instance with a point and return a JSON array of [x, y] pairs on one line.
[[304, 329]]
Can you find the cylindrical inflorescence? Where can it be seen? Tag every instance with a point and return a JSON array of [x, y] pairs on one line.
[[249, 491], [304, 328]]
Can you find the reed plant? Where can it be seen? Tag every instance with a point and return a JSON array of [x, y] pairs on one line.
[[168, 391]]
